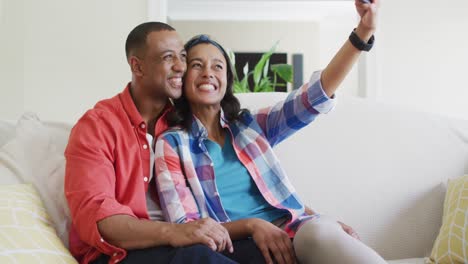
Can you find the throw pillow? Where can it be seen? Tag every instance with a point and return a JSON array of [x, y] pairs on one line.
[[26, 233], [35, 156], [451, 245]]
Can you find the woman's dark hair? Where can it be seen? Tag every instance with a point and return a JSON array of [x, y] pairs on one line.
[[182, 114]]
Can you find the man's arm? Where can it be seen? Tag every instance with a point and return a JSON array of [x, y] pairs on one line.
[[90, 182], [129, 232]]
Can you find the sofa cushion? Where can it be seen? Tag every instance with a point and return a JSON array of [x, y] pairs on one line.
[[451, 245], [27, 235], [35, 155]]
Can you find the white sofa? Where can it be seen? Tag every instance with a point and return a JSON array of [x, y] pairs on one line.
[[379, 168]]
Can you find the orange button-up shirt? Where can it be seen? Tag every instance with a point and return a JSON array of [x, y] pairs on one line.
[[107, 172]]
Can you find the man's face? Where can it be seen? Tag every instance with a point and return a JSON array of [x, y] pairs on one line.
[[163, 64]]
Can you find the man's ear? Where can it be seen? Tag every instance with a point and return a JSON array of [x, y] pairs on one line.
[[135, 66]]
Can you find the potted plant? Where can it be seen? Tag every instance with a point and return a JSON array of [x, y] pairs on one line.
[[261, 81]]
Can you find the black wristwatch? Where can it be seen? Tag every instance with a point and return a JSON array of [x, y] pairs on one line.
[[359, 44]]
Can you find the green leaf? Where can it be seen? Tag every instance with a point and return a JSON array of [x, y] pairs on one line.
[[246, 69], [242, 86], [265, 68], [284, 71], [232, 58], [262, 82], [265, 85], [258, 70], [239, 88]]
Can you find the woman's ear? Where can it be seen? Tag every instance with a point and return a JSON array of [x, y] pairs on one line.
[[135, 66]]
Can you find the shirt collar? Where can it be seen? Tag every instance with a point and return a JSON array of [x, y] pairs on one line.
[[198, 130], [134, 115]]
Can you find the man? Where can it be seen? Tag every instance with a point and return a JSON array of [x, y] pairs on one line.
[[110, 161]]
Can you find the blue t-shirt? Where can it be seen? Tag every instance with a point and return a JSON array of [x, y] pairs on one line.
[[239, 194]]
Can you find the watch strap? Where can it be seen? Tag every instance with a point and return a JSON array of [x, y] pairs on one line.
[[359, 44]]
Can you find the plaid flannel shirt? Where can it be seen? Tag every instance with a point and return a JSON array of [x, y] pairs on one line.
[[184, 172]]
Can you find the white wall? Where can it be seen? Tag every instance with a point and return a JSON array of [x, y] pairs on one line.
[[59, 57], [423, 55], [11, 58]]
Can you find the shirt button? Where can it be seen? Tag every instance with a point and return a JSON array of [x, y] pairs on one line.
[[143, 126], [102, 240], [145, 146], [115, 254], [145, 179], [216, 193]]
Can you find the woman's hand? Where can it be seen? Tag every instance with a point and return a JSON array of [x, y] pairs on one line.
[[368, 14], [349, 230], [271, 239]]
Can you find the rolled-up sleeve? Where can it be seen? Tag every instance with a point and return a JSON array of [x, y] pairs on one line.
[[317, 97], [300, 108]]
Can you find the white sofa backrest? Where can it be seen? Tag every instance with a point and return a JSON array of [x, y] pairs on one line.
[[378, 168], [7, 131], [31, 151]]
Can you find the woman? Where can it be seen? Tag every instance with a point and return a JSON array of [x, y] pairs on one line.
[[218, 161]]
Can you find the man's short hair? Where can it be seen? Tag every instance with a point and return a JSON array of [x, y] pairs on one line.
[[136, 40]]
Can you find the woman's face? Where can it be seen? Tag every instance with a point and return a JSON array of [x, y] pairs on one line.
[[206, 77]]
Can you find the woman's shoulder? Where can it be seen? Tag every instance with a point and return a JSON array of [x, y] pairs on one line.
[[173, 133], [246, 117], [245, 114]]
